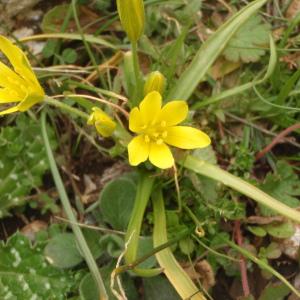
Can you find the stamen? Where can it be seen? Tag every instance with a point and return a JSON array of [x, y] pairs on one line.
[[164, 134], [156, 134], [163, 124], [146, 138], [159, 141]]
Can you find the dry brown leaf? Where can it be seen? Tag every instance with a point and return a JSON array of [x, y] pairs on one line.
[[293, 9]]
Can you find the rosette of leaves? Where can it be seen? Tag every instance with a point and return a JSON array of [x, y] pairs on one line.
[[23, 162], [26, 274], [248, 42]]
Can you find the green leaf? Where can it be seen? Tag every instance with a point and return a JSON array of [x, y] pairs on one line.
[[61, 251], [283, 185], [69, 55], [159, 288], [25, 273], [209, 52], [274, 292], [116, 202], [282, 231], [23, 162], [243, 45], [256, 230]]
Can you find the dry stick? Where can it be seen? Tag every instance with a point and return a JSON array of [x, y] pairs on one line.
[[243, 266], [123, 111], [277, 139]]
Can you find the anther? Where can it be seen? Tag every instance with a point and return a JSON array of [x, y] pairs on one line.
[[159, 141], [164, 134], [146, 138]]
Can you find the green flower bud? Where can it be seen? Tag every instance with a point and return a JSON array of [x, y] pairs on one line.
[[103, 123], [132, 16], [155, 81]]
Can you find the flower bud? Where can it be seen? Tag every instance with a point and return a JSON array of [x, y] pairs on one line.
[[103, 123], [132, 16], [155, 81]]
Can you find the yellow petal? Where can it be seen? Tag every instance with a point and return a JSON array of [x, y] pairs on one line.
[[150, 107], [136, 123], [29, 101], [7, 95], [9, 111], [185, 137], [18, 60], [161, 156], [138, 150], [174, 112]]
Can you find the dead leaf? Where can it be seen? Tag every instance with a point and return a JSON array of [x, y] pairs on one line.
[[293, 9]]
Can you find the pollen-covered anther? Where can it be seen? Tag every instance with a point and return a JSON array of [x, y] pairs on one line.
[[164, 134], [163, 124], [147, 139], [159, 141]]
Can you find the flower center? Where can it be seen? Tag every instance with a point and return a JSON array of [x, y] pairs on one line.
[[155, 133]]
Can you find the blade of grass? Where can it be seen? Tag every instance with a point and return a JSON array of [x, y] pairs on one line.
[[238, 184], [209, 52], [246, 86], [86, 252], [174, 272]]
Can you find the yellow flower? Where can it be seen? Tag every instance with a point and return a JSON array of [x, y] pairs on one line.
[[103, 123], [132, 17], [156, 129], [20, 84]]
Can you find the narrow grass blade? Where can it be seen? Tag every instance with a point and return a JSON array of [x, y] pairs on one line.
[[174, 272], [246, 86], [69, 212], [238, 184], [209, 52]]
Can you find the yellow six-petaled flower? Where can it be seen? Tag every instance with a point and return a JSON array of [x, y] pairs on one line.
[[20, 84], [157, 128]]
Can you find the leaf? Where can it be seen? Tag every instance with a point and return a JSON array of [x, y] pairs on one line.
[[256, 230], [253, 34], [61, 251], [284, 185], [116, 202], [210, 51], [159, 288], [23, 162], [25, 273], [282, 231], [69, 56], [274, 292]]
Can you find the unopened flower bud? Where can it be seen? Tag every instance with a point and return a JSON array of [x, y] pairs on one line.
[[132, 16], [155, 81], [103, 123]]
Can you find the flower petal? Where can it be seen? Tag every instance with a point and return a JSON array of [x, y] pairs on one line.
[[18, 60], [7, 95], [150, 107], [138, 150], [174, 112], [29, 101], [9, 111], [185, 137], [161, 156], [135, 120]]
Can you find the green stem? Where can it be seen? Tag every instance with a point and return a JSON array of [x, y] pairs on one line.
[[174, 272], [134, 227], [66, 107], [180, 236], [86, 252], [238, 184], [137, 74]]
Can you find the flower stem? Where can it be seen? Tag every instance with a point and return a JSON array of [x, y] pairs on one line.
[[86, 252], [137, 74], [66, 107]]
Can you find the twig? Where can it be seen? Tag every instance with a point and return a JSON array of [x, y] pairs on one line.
[[276, 140]]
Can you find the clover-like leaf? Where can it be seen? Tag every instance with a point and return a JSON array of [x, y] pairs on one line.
[[245, 44]]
